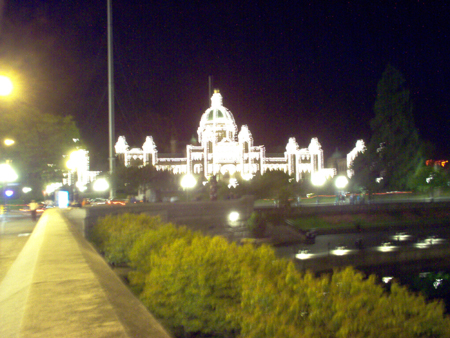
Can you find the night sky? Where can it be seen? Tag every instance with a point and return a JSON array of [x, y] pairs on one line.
[[294, 68]]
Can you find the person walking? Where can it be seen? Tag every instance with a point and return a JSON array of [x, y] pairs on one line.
[[213, 188], [33, 209]]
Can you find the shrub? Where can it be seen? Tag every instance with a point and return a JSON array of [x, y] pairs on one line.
[[197, 285], [151, 242], [203, 285], [115, 235], [257, 224], [291, 304]]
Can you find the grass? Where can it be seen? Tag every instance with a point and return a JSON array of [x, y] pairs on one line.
[[366, 220]]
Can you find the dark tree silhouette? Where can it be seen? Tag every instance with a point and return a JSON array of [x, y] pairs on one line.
[[394, 151]]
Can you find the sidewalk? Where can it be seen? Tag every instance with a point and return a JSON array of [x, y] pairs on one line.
[[60, 287]]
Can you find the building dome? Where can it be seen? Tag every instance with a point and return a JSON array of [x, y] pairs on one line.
[[337, 154], [217, 117]]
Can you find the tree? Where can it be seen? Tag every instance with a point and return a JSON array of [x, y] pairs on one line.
[[41, 140], [131, 179], [428, 178], [274, 184], [393, 152]]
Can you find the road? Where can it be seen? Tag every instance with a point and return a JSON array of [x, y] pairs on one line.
[[15, 230]]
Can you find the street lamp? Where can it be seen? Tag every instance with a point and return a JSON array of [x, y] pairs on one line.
[[6, 86], [188, 182], [340, 183], [7, 174], [8, 142], [318, 180], [101, 185]]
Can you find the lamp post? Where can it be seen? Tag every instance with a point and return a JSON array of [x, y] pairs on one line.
[[188, 182], [318, 180], [340, 183], [7, 174]]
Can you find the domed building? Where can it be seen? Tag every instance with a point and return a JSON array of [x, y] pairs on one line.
[[224, 149]]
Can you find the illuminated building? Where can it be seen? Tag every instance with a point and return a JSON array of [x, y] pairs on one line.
[[359, 148], [80, 173], [224, 149]]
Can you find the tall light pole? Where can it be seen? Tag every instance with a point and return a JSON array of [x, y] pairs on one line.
[[111, 100]]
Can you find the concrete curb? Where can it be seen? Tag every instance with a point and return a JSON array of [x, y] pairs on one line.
[[60, 287]]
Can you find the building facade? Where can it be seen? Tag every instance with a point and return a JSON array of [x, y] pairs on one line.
[[223, 149]]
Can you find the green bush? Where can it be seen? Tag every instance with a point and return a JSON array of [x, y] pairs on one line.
[[257, 224], [115, 236], [151, 242], [202, 286], [196, 285]]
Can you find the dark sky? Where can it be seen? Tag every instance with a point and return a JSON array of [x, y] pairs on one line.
[[288, 68]]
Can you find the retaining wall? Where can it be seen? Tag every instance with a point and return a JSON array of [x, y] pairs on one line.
[[60, 287], [210, 217]]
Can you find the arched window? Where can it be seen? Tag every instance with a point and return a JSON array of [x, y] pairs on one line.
[[220, 135]]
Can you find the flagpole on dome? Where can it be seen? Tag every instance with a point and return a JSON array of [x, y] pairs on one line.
[[210, 88]]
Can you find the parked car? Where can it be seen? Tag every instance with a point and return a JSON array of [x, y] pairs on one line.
[[98, 201], [116, 201]]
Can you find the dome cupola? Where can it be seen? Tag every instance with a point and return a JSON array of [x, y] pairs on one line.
[[217, 120]]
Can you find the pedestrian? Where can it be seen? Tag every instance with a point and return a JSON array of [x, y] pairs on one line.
[[213, 188], [33, 209]]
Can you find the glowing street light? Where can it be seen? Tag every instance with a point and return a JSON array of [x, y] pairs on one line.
[[6, 86], [318, 179], [233, 216], [8, 142], [101, 184], [7, 174], [26, 190], [188, 182], [75, 160], [341, 182], [234, 219]]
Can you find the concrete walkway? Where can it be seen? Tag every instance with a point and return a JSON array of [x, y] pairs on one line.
[[60, 287]]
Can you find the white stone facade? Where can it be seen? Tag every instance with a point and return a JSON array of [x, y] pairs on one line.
[[223, 149]]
